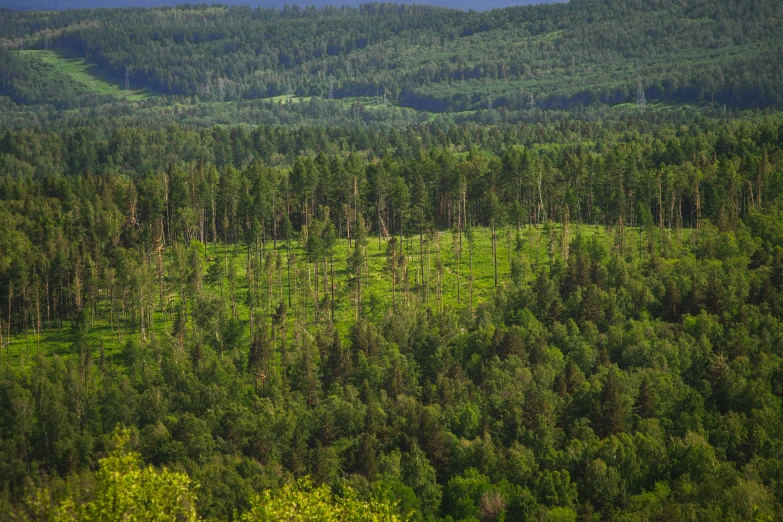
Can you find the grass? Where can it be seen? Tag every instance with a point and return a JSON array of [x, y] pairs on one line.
[[377, 286], [89, 75], [369, 102], [289, 98]]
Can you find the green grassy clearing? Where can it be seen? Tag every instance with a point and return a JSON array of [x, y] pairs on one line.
[[377, 298], [289, 98], [89, 75]]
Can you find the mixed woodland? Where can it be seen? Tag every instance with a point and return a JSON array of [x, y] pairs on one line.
[[332, 264], [505, 323], [565, 55]]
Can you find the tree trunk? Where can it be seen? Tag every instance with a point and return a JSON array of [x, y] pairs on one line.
[[331, 268], [470, 260], [494, 252]]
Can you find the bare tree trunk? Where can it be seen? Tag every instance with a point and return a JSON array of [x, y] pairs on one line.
[[24, 315], [459, 250], [394, 281], [38, 318], [660, 214], [470, 256], [317, 281], [440, 277], [494, 252], [10, 306], [331, 267], [421, 264]]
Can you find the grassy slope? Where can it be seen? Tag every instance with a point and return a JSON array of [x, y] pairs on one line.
[[88, 74], [377, 293]]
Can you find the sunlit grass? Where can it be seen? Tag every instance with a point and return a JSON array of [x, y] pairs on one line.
[[423, 255], [88, 74]]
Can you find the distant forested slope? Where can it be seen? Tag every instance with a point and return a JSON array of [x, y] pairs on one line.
[[430, 58]]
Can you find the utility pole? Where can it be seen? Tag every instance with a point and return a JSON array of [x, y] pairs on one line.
[[385, 101], [21, 47], [46, 40], [331, 87], [489, 100], [641, 101], [127, 78]]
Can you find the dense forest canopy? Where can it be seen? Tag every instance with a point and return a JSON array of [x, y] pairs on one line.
[[576, 319], [563, 55], [392, 262]]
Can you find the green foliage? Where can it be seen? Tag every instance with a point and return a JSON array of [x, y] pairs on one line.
[[478, 65], [302, 501], [262, 304], [124, 489]]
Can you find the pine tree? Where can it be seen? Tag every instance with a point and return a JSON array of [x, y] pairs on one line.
[[645, 403], [392, 260], [573, 376], [612, 419]]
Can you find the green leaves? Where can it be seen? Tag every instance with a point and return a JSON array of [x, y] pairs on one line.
[[124, 490], [303, 502]]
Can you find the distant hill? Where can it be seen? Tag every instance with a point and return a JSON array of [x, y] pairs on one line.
[[557, 56]]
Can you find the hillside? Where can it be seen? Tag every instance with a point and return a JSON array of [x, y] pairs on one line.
[[581, 53], [330, 264], [561, 321]]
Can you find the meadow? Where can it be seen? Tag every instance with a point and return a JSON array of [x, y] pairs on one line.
[[89, 74], [435, 258]]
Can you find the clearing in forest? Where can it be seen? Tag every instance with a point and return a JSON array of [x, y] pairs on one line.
[[89, 74]]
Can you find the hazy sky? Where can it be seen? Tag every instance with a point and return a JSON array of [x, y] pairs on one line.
[[76, 4]]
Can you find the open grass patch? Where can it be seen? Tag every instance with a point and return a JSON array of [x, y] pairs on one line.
[[89, 75]]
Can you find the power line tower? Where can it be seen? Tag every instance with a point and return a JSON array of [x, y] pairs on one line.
[[385, 100], [331, 87], [489, 100], [46, 40], [127, 78], [220, 88], [21, 47], [641, 101], [532, 102]]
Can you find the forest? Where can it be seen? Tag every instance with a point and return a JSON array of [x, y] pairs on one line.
[[558, 56], [570, 321], [392, 263]]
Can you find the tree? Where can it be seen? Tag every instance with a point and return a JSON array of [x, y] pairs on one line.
[[124, 490], [645, 403], [356, 261], [393, 259], [471, 237], [303, 502], [329, 241], [612, 419], [314, 246], [493, 210], [418, 473]]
